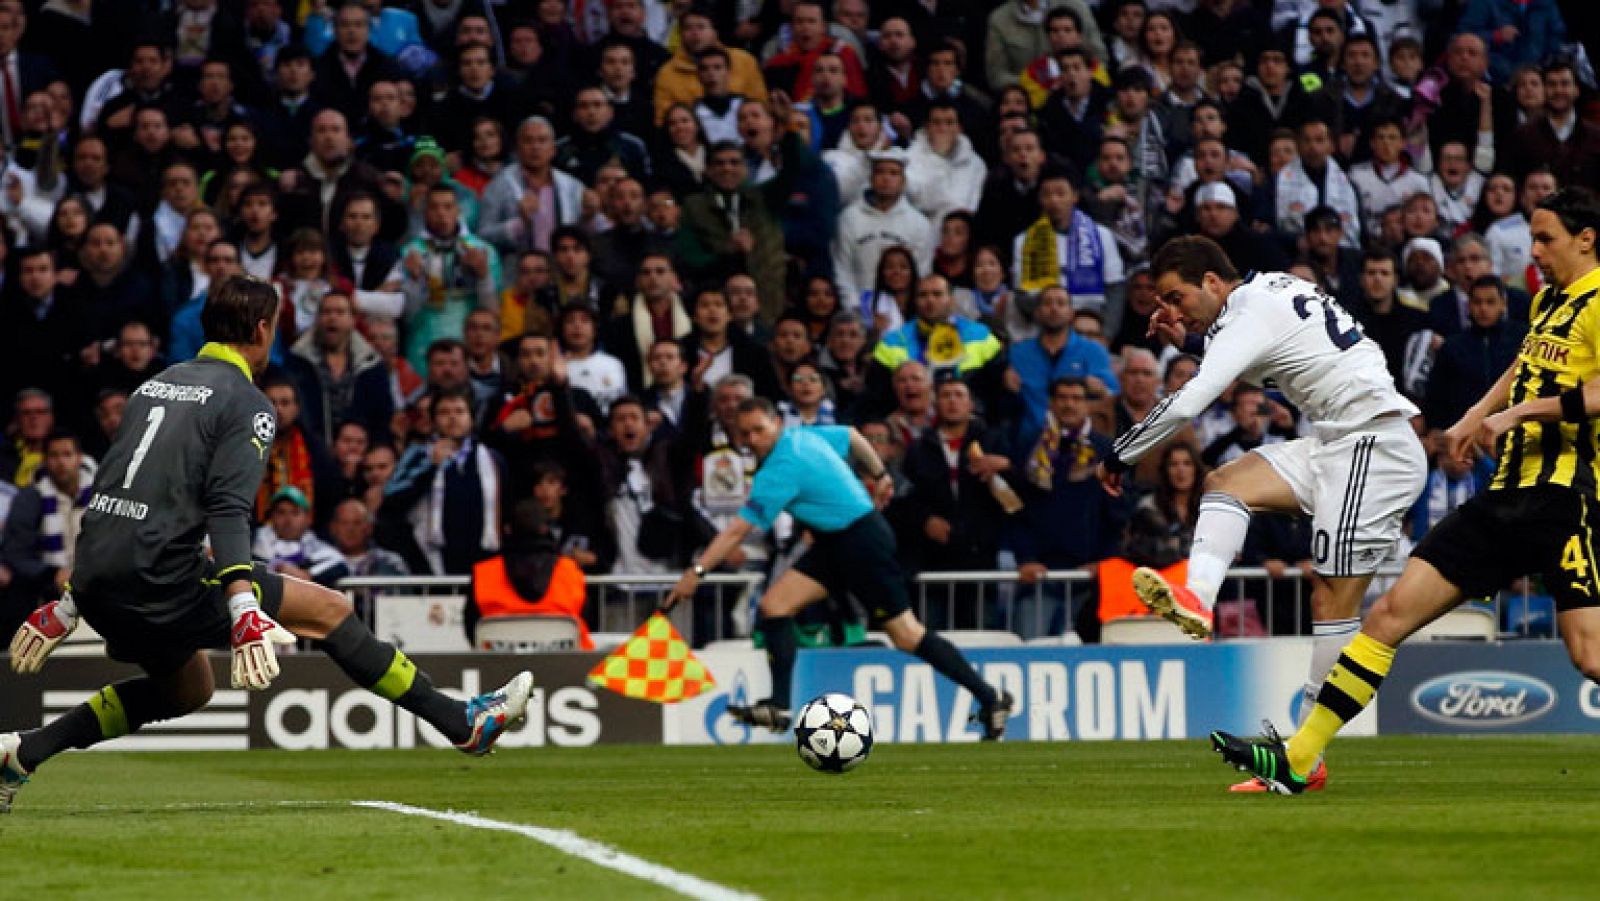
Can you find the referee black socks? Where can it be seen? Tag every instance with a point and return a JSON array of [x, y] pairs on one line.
[[948, 660], [778, 632], [385, 671]]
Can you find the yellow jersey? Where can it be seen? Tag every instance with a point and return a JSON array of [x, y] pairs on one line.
[[1561, 351]]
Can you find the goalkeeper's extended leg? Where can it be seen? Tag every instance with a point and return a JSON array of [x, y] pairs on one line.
[[312, 611], [114, 711]]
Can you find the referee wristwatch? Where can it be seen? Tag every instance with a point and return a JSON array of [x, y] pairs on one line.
[[698, 570]]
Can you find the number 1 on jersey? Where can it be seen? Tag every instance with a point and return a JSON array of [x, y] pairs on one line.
[[152, 424]]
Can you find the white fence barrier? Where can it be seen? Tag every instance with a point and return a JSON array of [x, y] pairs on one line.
[[424, 613]]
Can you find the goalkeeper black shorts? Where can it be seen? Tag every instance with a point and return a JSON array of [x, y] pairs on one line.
[[192, 619]]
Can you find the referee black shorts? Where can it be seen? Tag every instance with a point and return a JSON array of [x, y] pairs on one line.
[[859, 560], [158, 630], [1498, 536]]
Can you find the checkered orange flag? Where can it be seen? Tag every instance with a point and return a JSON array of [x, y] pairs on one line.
[[654, 665]]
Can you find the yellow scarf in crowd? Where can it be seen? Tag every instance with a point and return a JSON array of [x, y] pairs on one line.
[[1041, 267], [1047, 455]]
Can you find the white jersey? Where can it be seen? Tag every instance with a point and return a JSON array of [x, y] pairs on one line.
[[1282, 332]]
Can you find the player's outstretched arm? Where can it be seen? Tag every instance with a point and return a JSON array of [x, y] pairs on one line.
[[1574, 405], [235, 470], [710, 558], [1234, 349]]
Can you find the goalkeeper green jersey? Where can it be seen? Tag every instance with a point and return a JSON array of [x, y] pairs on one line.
[[184, 465]]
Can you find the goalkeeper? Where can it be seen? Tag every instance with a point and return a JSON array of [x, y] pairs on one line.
[[185, 465]]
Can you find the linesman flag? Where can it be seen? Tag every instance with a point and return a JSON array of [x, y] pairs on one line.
[[654, 665]]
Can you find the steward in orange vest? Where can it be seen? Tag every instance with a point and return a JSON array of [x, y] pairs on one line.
[[529, 578]]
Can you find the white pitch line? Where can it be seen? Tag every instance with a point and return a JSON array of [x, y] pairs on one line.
[[572, 843], [190, 806]]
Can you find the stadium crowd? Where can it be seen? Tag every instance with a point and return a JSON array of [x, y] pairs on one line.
[[543, 248]]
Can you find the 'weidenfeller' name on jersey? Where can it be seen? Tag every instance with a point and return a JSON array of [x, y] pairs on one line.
[[159, 390]]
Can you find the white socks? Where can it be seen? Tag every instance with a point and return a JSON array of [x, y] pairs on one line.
[[1328, 638], [1218, 535]]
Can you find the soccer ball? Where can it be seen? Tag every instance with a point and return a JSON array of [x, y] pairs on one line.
[[833, 733]]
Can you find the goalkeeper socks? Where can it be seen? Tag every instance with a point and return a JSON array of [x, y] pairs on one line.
[[1350, 686], [114, 711], [1218, 535], [778, 633], [1328, 639], [948, 660], [382, 669]]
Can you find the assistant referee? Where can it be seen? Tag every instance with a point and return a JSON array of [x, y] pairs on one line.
[[807, 472]]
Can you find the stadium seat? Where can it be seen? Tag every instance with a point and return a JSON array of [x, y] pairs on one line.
[[1141, 630], [528, 634], [1462, 623], [606, 642], [983, 638], [1068, 639], [730, 644]]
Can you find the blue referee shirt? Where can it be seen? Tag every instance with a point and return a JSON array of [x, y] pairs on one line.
[[807, 475]]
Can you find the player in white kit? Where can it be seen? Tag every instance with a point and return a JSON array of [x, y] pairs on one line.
[[1355, 475]]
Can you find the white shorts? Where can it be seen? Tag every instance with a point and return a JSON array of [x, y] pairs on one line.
[[1356, 489]]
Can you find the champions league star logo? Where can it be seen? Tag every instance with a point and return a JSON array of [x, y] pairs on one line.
[[264, 427]]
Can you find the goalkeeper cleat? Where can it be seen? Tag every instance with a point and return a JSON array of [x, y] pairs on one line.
[[12, 775], [493, 714], [1174, 603], [1266, 758], [1315, 782], [764, 714], [995, 716]]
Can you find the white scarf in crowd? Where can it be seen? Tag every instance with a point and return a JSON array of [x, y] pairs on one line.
[[644, 331], [430, 522], [1297, 195]]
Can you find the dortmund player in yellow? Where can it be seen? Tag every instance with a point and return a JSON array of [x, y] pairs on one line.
[[1538, 515]]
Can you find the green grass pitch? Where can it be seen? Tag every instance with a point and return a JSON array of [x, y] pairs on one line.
[[1404, 818]]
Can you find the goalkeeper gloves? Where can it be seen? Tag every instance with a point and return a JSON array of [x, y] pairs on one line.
[[45, 628], [255, 661]]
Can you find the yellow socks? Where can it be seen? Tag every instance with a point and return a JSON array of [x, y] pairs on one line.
[[1350, 686]]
